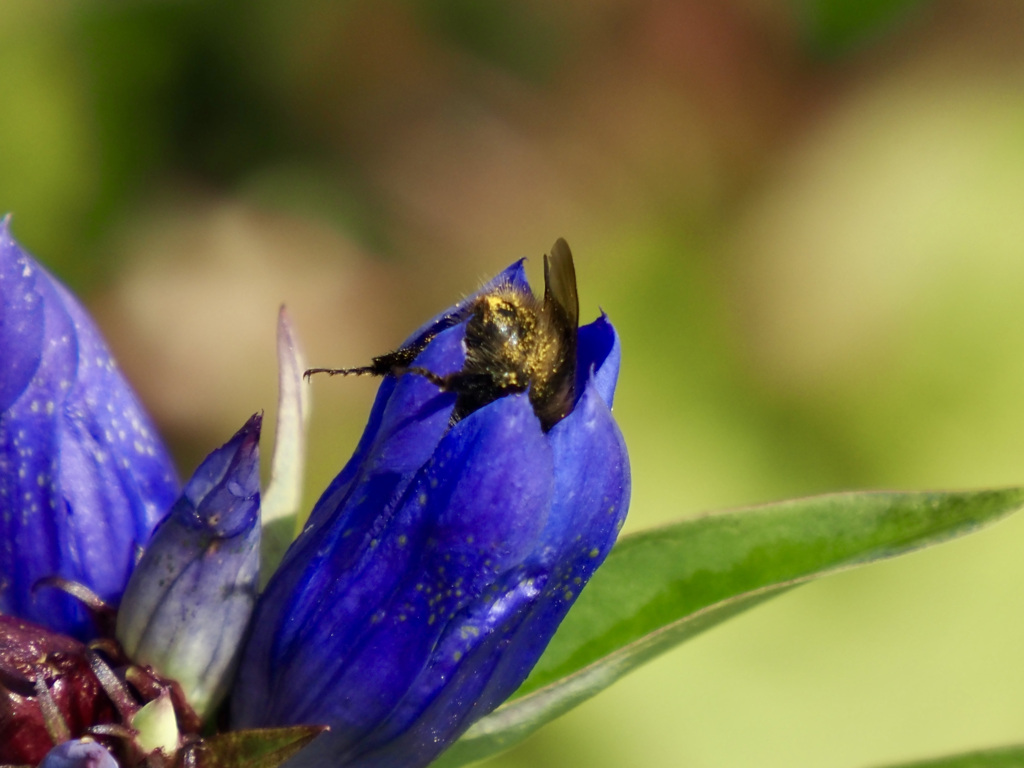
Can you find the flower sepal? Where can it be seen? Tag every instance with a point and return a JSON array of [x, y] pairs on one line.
[[256, 748]]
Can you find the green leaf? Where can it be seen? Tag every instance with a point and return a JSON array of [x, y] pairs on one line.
[[663, 586], [1004, 757], [259, 748]]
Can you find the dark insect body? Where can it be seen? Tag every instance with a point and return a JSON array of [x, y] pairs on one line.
[[515, 342]]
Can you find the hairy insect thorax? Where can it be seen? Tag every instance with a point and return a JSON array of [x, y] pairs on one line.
[[510, 347], [502, 340]]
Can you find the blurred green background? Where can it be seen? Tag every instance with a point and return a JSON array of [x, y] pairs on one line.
[[806, 219]]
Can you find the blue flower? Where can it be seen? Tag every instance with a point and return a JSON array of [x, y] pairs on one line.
[[84, 477], [436, 567]]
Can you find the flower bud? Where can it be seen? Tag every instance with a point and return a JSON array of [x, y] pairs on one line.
[[84, 477], [188, 602]]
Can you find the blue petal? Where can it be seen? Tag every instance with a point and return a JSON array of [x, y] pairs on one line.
[[490, 651], [21, 320], [189, 600], [335, 547], [591, 498], [473, 512], [84, 476], [598, 355], [440, 701]]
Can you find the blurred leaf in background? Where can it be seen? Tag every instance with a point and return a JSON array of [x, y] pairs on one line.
[[833, 27]]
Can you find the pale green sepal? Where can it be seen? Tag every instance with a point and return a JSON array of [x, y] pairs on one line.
[[157, 726], [282, 499]]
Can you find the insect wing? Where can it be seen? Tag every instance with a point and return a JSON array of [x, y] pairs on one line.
[[560, 298]]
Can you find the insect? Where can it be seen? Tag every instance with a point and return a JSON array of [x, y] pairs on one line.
[[515, 342]]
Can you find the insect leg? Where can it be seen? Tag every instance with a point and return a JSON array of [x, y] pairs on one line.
[[365, 370]]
